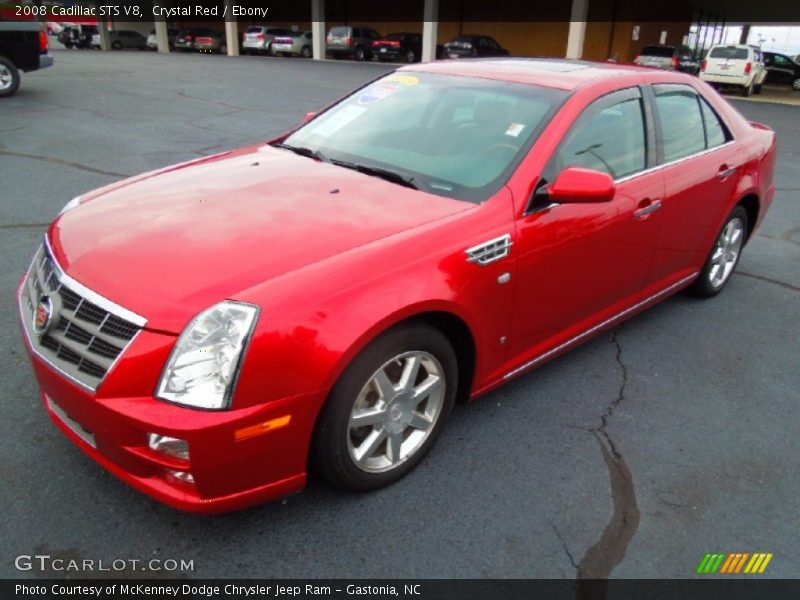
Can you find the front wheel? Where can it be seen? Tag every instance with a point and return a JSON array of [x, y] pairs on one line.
[[305, 52], [388, 408], [9, 77], [796, 85], [723, 257]]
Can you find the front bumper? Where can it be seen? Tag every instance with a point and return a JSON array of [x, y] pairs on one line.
[[236, 459]]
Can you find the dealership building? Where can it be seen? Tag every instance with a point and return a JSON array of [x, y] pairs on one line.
[[590, 29]]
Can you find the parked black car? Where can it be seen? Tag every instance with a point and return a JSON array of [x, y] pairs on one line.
[[473, 45], [672, 58], [782, 69], [23, 47]]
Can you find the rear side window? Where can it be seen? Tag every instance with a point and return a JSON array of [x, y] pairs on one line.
[[609, 139], [716, 132], [728, 52], [682, 132]]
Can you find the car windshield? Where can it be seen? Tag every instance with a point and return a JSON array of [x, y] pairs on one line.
[[662, 51], [728, 52], [254, 29], [453, 136]]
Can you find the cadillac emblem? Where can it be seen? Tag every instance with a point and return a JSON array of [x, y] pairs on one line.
[[43, 315]]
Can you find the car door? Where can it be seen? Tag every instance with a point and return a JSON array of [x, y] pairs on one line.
[[700, 164], [781, 70], [582, 263]]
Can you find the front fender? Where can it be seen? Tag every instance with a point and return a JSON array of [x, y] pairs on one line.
[[315, 320]]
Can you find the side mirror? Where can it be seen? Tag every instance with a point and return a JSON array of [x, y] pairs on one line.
[[576, 185], [309, 116]]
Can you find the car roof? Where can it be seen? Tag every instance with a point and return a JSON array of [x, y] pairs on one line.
[[557, 73]]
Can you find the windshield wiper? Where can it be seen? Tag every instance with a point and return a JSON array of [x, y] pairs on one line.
[[303, 151], [388, 175]]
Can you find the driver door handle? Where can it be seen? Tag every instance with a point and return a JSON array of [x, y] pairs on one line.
[[647, 207]]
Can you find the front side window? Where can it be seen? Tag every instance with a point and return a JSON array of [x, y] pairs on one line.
[[607, 138], [682, 130], [449, 135]]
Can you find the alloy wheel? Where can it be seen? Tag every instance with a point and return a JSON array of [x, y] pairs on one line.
[[6, 77], [396, 411], [724, 258], [796, 84]]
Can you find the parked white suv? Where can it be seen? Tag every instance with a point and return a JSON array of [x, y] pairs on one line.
[[737, 65]]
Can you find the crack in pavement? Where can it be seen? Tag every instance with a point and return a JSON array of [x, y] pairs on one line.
[[783, 284], [601, 558], [58, 161], [24, 225], [564, 545]]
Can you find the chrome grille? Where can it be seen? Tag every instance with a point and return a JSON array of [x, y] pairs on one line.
[[85, 339]]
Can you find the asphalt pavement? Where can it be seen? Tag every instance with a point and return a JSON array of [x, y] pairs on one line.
[[632, 456]]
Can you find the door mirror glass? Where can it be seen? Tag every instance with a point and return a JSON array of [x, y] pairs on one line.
[[576, 185]]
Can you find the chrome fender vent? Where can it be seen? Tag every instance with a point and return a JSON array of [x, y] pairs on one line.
[[491, 251]]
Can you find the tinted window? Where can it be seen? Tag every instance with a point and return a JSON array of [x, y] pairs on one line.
[[455, 136], [662, 51], [716, 133], [728, 52], [682, 132], [253, 29], [782, 61], [610, 139]]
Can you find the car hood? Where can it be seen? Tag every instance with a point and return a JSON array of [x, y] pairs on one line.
[[170, 244]]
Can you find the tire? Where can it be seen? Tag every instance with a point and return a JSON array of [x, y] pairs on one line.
[[747, 89], [757, 89], [706, 285], [270, 51], [359, 54], [796, 85], [335, 445], [305, 52], [116, 45], [223, 48], [410, 56], [9, 78]]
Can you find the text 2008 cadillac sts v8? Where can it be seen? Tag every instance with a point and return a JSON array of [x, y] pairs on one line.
[[210, 330]]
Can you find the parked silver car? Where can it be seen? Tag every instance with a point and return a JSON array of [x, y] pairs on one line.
[[294, 43], [120, 39], [257, 39]]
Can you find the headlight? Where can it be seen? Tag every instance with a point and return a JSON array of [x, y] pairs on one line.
[[202, 369], [74, 203]]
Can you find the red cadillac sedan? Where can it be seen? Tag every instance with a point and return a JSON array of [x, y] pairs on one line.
[[212, 331]]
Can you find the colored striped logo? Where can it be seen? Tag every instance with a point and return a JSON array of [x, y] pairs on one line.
[[734, 562]]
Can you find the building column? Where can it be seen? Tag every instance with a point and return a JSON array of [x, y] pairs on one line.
[[162, 37], [745, 33], [577, 28], [105, 39], [430, 30], [318, 29], [231, 32]]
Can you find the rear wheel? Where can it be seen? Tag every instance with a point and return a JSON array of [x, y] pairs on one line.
[[747, 89], [796, 85], [386, 411], [9, 78], [117, 45], [723, 257], [305, 52], [410, 56], [360, 55]]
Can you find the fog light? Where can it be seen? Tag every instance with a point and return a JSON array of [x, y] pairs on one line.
[[180, 476], [170, 446]]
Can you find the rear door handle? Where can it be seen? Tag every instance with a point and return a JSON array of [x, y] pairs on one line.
[[725, 171], [644, 211]]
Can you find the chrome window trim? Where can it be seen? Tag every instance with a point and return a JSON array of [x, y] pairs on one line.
[[92, 296], [594, 328], [673, 162]]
